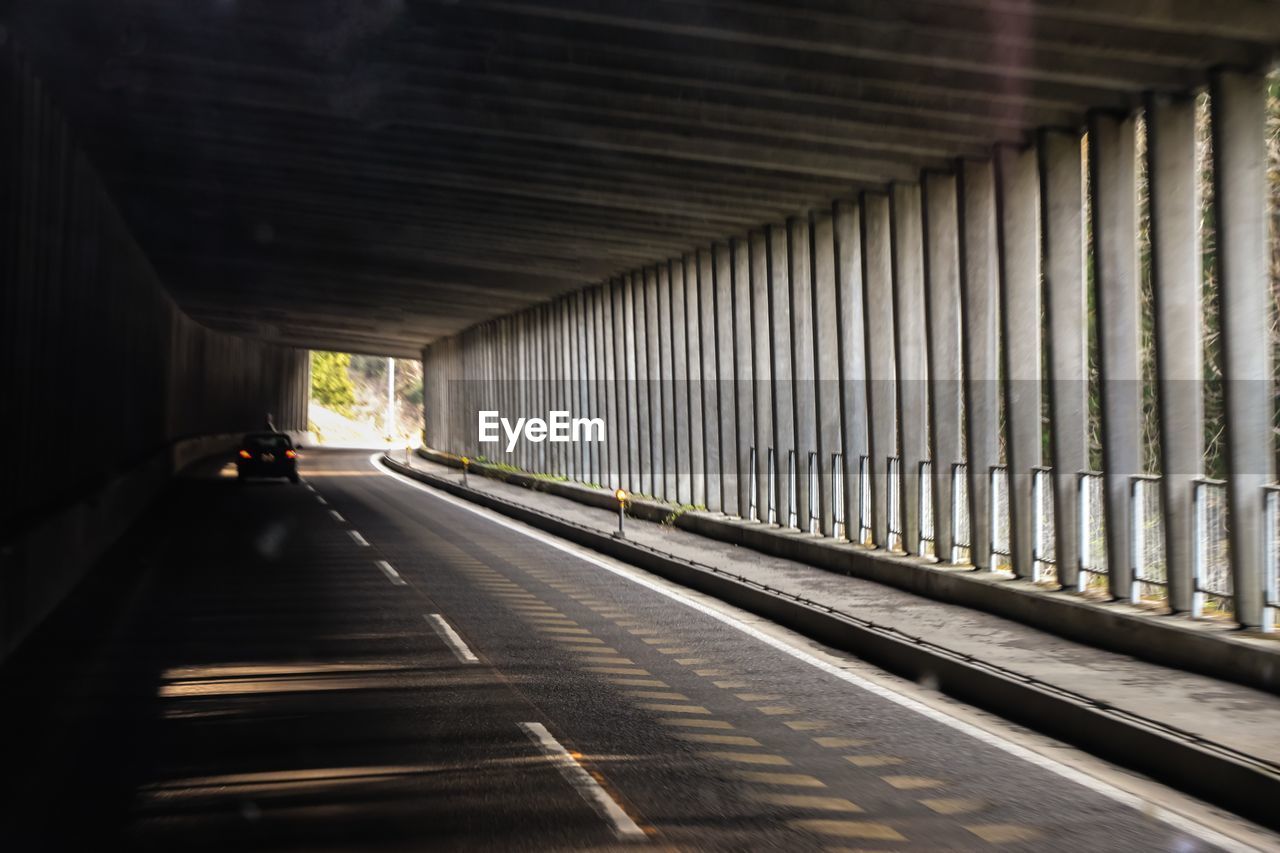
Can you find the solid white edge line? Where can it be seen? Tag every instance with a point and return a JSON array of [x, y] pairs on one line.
[[583, 782], [337, 516], [358, 539], [390, 572], [1133, 801], [451, 638]]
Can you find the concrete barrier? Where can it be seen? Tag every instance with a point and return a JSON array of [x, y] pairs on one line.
[[41, 565]]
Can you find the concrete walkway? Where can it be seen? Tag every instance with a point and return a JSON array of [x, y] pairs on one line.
[[1217, 712]]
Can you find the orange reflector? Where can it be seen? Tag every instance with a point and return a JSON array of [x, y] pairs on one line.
[[244, 454], [292, 454]]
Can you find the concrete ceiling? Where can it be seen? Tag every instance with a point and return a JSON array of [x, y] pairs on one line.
[[371, 175]]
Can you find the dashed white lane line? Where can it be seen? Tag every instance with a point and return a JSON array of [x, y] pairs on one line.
[[636, 576], [451, 638], [320, 500], [390, 572], [583, 782], [358, 539], [337, 516]]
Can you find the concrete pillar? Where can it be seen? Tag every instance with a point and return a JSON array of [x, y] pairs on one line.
[[826, 369], [568, 347], [564, 381], [547, 451], [802, 367], [694, 341], [591, 393], [631, 360], [680, 383], [743, 375], [520, 455], [1238, 101], [980, 310], [942, 332], [621, 393], [582, 331], [911, 353], [1062, 227], [551, 379], [667, 390], [548, 381], [726, 387], [604, 473], [761, 367], [538, 401], [1113, 178], [877, 282], [851, 352], [517, 381], [1017, 205], [573, 377], [653, 381], [573, 353], [710, 381], [782, 385], [1176, 286], [612, 420], [643, 477]]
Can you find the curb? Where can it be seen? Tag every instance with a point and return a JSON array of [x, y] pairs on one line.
[[1165, 639], [1215, 773]]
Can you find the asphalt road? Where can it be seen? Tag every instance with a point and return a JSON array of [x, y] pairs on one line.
[[361, 664]]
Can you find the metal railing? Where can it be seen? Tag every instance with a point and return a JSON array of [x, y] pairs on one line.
[[998, 503], [864, 500], [1044, 532], [894, 500], [1150, 573], [961, 535], [814, 525], [1211, 574], [1092, 531], [792, 490], [924, 511], [837, 496], [1271, 564], [773, 487], [752, 480]]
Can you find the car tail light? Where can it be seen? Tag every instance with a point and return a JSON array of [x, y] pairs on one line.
[[244, 454], [291, 454]]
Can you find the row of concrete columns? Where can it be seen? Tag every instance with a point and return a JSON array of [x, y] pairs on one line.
[[943, 321]]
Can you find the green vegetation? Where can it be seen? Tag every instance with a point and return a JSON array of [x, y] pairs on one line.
[[331, 384], [1214, 414]]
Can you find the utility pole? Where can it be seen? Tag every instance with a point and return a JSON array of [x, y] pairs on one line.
[[391, 398]]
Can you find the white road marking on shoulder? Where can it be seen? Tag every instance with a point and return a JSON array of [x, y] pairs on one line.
[[582, 781], [1099, 786], [359, 540], [390, 572], [337, 516], [451, 638]]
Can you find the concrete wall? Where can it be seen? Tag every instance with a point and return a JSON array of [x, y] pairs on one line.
[[937, 329], [106, 386]]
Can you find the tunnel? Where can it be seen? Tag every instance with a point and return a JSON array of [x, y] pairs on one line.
[[843, 423]]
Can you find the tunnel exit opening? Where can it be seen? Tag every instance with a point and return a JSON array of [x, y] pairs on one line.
[[364, 400]]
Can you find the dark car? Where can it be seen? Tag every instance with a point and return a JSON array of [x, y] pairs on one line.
[[267, 454]]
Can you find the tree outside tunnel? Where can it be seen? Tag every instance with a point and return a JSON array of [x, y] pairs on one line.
[[349, 398]]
